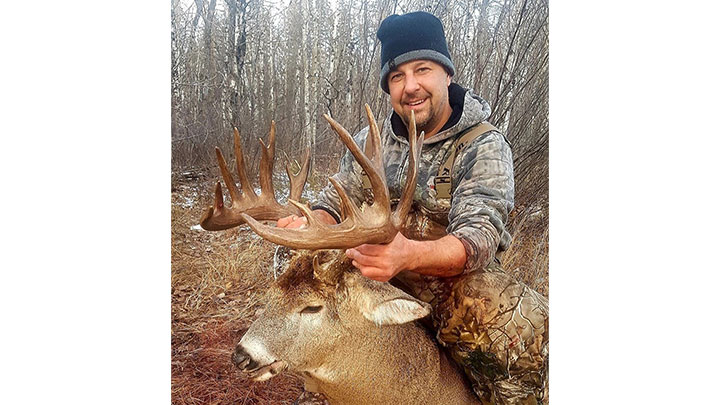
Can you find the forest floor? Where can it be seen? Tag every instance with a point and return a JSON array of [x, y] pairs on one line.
[[217, 285]]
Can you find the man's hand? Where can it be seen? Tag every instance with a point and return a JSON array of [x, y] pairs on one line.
[[294, 221], [444, 257], [383, 262], [291, 221]]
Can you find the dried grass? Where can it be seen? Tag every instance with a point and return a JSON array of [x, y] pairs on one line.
[[217, 282], [528, 256]]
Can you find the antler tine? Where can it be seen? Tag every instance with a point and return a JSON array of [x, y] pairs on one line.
[[229, 181], [372, 142], [209, 221], [376, 176], [297, 181], [326, 274], [245, 185], [349, 209], [307, 213], [218, 197], [266, 165], [399, 216], [413, 128]]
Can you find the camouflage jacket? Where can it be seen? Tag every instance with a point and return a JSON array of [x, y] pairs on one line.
[[482, 190]]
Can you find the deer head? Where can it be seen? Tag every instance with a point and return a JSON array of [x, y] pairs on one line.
[[317, 309]]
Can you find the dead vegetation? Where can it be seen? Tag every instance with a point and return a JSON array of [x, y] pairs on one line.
[[217, 283], [217, 286], [527, 259]]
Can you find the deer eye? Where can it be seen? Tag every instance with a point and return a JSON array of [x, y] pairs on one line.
[[311, 309]]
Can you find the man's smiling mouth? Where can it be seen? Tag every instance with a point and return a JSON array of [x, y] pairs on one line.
[[416, 103]]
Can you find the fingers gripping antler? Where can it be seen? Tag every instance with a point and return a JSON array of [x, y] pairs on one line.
[[262, 207], [375, 224]]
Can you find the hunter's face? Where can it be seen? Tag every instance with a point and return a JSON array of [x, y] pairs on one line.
[[422, 86]]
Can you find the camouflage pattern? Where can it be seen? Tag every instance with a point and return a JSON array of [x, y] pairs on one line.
[[493, 326], [497, 329]]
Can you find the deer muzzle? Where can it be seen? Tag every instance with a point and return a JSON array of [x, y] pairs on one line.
[[256, 371], [242, 359]]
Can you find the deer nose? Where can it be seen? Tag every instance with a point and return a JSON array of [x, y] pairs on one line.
[[242, 359]]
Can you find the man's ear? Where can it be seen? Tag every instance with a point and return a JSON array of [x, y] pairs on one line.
[[384, 304]]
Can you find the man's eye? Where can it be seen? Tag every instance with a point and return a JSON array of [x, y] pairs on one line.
[[311, 309], [395, 77]]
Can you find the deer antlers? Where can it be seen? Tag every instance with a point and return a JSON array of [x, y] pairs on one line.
[[262, 207], [376, 223]]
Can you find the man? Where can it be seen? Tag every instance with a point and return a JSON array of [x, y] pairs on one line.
[[493, 326]]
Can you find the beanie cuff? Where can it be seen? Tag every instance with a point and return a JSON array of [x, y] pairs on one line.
[[428, 54]]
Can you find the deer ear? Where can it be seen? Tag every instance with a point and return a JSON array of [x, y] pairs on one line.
[[281, 260], [387, 305], [397, 311]]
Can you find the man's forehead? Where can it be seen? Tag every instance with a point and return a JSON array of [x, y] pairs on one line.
[[415, 63]]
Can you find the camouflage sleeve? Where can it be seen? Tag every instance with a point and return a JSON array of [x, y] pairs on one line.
[[483, 196], [349, 177]]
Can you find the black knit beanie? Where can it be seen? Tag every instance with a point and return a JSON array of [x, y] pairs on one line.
[[411, 36]]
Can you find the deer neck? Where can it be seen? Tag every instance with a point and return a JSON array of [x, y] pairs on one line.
[[373, 375]]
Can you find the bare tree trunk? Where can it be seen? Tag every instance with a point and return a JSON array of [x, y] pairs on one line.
[[306, 76]]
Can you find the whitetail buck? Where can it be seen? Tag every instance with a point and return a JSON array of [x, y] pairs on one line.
[[348, 337]]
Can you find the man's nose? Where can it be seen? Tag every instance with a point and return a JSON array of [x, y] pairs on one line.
[[411, 84]]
